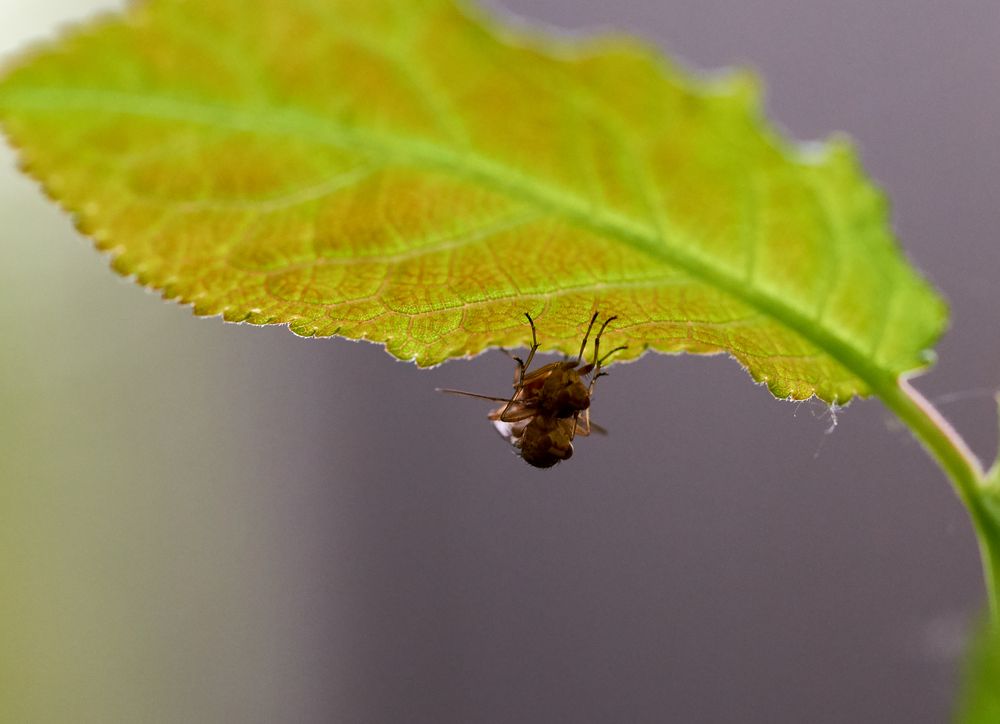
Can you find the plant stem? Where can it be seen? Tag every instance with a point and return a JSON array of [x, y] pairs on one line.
[[989, 548], [963, 469]]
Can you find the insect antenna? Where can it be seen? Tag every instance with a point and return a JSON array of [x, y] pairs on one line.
[[470, 394]]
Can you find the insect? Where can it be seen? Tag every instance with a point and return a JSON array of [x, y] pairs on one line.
[[550, 405]]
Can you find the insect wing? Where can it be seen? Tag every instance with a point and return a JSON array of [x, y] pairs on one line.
[[512, 431], [514, 412], [506, 429]]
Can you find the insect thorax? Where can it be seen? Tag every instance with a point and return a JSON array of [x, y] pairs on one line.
[[563, 393]]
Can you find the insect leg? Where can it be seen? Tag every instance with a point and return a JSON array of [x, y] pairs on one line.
[[597, 339], [616, 349], [519, 372], [517, 391], [583, 345], [534, 344], [585, 427], [597, 367], [517, 414], [521, 368], [586, 336]]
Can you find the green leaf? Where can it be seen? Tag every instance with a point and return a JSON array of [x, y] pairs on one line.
[[412, 173], [980, 699]]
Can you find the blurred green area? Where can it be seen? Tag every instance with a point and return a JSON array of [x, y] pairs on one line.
[[132, 547], [135, 553], [979, 702]]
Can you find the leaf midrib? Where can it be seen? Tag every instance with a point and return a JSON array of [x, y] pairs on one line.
[[268, 120]]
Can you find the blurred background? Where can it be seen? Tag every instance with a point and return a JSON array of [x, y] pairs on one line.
[[203, 522]]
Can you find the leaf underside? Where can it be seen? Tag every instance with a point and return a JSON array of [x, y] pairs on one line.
[[412, 173]]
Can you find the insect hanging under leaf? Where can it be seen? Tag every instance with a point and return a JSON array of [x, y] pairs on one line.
[[550, 405]]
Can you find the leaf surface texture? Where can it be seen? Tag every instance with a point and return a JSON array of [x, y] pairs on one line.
[[418, 174]]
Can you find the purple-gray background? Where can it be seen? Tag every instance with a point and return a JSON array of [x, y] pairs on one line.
[[252, 527]]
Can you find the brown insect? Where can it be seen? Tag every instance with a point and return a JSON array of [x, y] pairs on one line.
[[551, 405]]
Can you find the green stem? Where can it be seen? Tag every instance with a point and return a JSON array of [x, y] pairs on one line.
[[989, 547], [963, 468]]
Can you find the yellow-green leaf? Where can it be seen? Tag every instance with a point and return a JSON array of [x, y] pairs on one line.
[[408, 172]]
